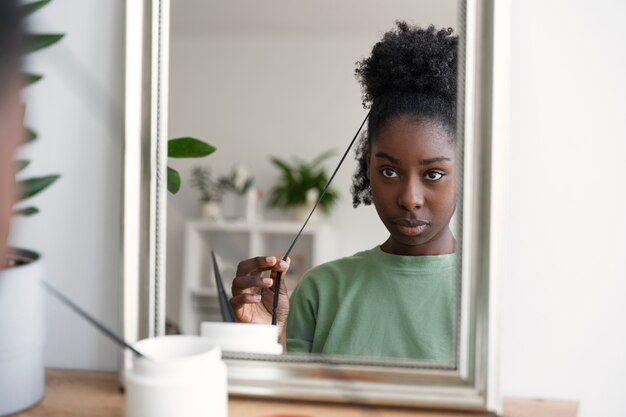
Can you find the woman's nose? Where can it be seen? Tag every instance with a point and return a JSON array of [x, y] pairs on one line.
[[411, 195]]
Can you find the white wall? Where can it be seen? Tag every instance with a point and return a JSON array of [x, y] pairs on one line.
[[565, 276], [78, 112]]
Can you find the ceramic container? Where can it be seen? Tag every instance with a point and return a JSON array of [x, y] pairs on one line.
[[22, 334], [243, 337], [185, 376]]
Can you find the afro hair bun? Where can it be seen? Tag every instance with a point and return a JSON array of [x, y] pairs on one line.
[[410, 59]]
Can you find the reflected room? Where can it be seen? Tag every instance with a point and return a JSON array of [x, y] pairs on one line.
[[274, 93]]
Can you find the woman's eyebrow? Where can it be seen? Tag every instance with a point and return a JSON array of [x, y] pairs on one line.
[[387, 156], [433, 160]]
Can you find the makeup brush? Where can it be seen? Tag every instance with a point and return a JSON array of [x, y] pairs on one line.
[[109, 333], [280, 274], [226, 308]]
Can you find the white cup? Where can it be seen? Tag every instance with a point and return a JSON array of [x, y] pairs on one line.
[[243, 337], [184, 376]]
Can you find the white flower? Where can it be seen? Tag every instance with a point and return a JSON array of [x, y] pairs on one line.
[[241, 177]]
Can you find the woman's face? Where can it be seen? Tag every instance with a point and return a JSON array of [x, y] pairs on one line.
[[412, 172]]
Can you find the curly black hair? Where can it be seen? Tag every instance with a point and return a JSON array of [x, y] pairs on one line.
[[411, 71]]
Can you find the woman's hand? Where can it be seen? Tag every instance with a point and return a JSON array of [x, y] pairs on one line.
[[253, 295]]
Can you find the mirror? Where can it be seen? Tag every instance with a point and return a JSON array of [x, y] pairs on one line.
[[279, 82], [273, 83]]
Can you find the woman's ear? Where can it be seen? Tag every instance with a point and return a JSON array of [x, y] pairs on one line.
[[367, 165]]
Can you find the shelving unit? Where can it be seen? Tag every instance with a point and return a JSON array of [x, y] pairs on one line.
[[234, 242]]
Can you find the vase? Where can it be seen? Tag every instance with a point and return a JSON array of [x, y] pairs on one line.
[[240, 207], [233, 206], [301, 213], [212, 210], [22, 333]]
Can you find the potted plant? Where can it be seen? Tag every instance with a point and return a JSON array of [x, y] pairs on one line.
[[22, 314], [300, 186], [211, 192], [239, 198]]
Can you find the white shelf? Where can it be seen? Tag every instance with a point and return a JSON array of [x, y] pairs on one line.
[[233, 242]]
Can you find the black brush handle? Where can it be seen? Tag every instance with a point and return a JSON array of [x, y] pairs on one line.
[[109, 333], [279, 275], [228, 315]]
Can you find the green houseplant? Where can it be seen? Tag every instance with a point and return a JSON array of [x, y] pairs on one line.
[[32, 186], [301, 183], [184, 148], [211, 191], [238, 183], [22, 308]]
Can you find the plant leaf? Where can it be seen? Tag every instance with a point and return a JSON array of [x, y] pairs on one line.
[[281, 164], [21, 164], [31, 79], [30, 136], [322, 157], [173, 180], [31, 8], [287, 170], [39, 41], [188, 148], [32, 186], [28, 211]]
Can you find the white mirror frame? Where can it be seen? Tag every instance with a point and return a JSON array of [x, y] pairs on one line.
[[469, 385]]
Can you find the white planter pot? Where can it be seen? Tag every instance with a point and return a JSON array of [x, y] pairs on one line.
[[22, 335], [212, 210], [241, 207], [301, 213]]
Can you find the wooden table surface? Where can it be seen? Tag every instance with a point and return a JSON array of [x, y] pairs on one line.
[[96, 394]]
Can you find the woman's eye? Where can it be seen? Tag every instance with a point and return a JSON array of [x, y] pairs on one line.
[[434, 175], [389, 173]]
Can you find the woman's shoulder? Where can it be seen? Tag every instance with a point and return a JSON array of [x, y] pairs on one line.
[[340, 264]]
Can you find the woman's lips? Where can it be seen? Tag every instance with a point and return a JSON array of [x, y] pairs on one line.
[[410, 227]]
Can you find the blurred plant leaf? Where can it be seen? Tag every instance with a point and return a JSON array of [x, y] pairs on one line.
[[32, 186], [20, 164], [30, 136], [31, 8], [31, 79], [28, 211], [297, 180], [188, 148], [173, 180], [33, 42], [284, 167], [322, 157], [40, 41]]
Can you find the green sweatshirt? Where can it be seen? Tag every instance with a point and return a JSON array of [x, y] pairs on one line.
[[376, 304]]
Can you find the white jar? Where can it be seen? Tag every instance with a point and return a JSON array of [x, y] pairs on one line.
[[185, 377], [243, 337]]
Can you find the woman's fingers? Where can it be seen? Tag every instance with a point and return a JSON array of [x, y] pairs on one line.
[[250, 282], [282, 266], [255, 266], [249, 279], [241, 300]]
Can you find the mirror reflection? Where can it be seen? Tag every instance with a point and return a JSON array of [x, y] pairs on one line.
[[279, 89]]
